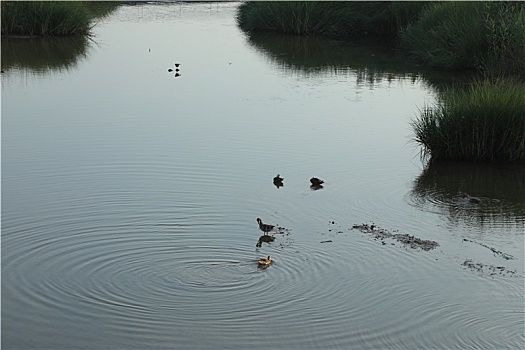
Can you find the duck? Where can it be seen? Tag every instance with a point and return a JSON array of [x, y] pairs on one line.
[[316, 182], [278, 181], [177, 64], [170, 70], [265, 227], [471, 199], [265, 262]]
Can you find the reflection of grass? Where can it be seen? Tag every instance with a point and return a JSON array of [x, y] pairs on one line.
[[481, 35], [43, 54], [371, 61], [485, 122], [502, 190]]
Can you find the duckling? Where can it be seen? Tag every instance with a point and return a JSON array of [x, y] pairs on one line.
[[316, 182], [471, 199], [264, 227], [265, 262]]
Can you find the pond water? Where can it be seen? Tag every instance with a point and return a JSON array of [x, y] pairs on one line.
[[130, 196]]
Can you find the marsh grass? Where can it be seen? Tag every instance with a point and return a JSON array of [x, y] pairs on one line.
[[505, 24], [484, 36], [51, 18], [327, 18], [447, 35], [484, 122]]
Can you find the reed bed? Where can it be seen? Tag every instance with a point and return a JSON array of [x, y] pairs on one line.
[[484, 122], [327, 18], [51, 18], [484, 36]]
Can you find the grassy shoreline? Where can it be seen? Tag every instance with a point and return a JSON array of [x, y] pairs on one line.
[[51, 18], [484, 123]]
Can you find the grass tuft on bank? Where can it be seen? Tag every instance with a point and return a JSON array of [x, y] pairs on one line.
[[486, 36], [484, 122], [51, 18], [327, 18]]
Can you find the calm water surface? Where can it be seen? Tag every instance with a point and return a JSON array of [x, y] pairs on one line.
[[130, 197]]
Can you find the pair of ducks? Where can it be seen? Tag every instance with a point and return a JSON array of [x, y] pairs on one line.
[[278, 181]]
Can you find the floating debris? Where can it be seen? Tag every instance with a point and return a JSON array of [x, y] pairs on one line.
[[490, 270], [405, 239], [495, 251], [328, 241]]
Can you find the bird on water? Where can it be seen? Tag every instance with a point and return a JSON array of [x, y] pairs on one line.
[[471, 199], [316, 182], [265, 262], [278, 181], [265, 227]]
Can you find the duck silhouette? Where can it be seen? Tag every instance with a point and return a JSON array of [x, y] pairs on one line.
[[316, 182], [278, 181]]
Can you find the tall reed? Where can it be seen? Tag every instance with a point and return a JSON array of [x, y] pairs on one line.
[[45, 18], [328, 18], [484, 122]]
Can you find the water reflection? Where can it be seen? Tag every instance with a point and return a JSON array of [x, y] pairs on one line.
[[372, 61], [44, 55], [264, 239], [478, 193]]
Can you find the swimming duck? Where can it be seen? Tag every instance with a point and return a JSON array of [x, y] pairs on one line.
[[471, 199], [278, 181], [264, 227], [265, 262], [170, 70], [177, 64], [316, 182]]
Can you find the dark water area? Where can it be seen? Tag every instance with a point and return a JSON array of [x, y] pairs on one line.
[[130, 196]]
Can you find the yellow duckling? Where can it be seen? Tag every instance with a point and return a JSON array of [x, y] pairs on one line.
[[265, 262]]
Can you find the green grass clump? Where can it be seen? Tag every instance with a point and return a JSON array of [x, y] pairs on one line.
[[485, 36], [484, 122], [327, 18], [505, 23], [50, 18], [448, 35]]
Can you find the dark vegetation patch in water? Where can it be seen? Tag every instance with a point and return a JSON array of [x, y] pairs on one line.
[[406, 239], [490, 270], [494, 250]]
